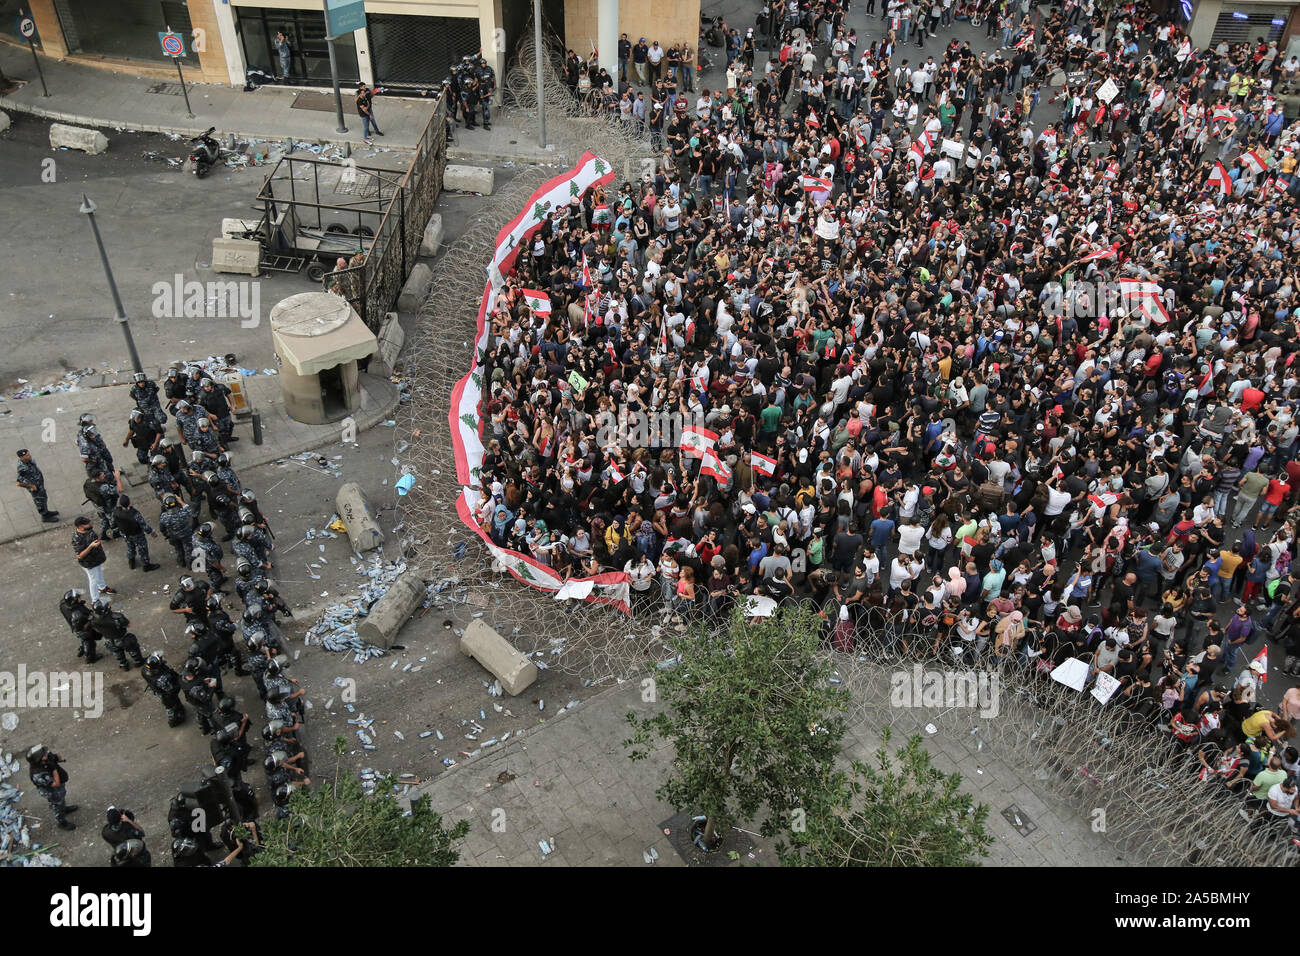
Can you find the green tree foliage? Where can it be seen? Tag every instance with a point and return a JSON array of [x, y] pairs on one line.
[[335, 823], [900, 811], [753, 719]]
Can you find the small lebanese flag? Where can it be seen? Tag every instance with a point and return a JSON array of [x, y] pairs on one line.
[[538, 301], [1222, 114], [1112, 172], [816, 184], [586, 273], [762, 464], [1253, 161], [926, 174], [615, 472], [1280, 185], [813, 121], [861, 139], [1262, 657], [716, 468], [1219, 179], [1106, 252], [698, 441], [600, 215], [1025, 41]]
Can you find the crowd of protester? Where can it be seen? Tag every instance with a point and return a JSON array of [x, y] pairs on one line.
[[876, 284]]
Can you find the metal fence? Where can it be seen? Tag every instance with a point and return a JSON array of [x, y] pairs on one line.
[[373, 283]]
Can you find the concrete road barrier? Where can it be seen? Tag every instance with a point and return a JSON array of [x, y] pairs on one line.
[[391, 611], [469, 179], [432, 235], [363, 530], [516, 672], [78, 137], [237, 256], [416, 289]]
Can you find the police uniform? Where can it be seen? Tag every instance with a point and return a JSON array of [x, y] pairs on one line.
[[103, 495], [487, 85], [225, 510], [229, 479], [115, 630], [175, 387], [469, 98], [216, 399], [142, 433], [131, 525], [245, 550], [187, 421], [51, 782], [29, 474], [163, 481], [201, 698], [212, 554], [177, 526], [77, 614], [145, 395], [165, 684], [205, 440], [94, 453]]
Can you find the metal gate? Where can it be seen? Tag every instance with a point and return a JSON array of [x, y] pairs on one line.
[[373, 284], [419, 51], [1248, 22]]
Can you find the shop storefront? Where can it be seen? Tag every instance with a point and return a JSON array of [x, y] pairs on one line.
[[309, 64], [122, 29], [1222, 21]]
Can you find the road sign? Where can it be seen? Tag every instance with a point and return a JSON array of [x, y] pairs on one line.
[[345, 16], [27, 28], [173, 44]]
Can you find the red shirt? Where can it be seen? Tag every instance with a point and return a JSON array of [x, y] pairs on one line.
[[1277, 490], [1251, 399]]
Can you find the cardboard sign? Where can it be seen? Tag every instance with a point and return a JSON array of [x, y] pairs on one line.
[[1108, 91]]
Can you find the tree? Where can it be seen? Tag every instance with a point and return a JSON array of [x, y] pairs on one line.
[[337, 824], [754, 721], [896, 813]]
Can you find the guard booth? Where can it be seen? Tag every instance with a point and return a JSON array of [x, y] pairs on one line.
[[319, 339]]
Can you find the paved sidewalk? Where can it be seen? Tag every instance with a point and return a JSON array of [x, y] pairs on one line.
[[84, 95], [575, 783], [29, 422]]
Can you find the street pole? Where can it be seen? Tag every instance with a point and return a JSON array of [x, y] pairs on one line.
[[334, 71], [88, 209], [541, 94]]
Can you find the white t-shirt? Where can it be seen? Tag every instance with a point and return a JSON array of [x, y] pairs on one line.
[[909, 538]]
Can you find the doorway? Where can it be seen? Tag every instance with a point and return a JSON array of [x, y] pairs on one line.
[[333, 395]]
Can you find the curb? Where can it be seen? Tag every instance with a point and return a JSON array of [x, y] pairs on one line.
[[364, 423]]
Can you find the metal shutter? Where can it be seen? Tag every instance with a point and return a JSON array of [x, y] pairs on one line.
[[1248, 22]]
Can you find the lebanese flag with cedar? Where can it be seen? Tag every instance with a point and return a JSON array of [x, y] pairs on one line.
[[1220, 180], [1253, 161], [813, 121], [816, 184], [538, 301], [1147, 297], [698, 441], [1105, 252], [615, 472], [762, 464], [716, 468]]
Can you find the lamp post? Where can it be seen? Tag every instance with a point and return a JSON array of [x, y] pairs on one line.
[[88, 209]]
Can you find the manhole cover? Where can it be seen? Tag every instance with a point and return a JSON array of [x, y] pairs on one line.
[[1019, 820], [166, 89]]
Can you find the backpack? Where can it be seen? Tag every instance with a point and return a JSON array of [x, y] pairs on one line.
[[90, 488], [990, 495]]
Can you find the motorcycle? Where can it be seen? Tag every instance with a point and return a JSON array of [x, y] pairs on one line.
[[205, 153]]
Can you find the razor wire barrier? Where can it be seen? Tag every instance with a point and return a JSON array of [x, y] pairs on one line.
[[1054, 738]]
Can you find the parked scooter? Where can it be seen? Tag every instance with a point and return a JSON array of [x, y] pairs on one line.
[[205, 153]]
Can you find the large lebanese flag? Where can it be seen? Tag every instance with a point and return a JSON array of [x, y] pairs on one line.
[[1220, 180], [698, 441], [538, 301], [1147, 297], [1253, 161], [715, 467], [762, 464], [1105, 252]]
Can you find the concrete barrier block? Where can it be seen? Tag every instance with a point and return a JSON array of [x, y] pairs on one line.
[[515, 671], [391, 611], [238, 256], [391, 340], [363, 530], [78, 137], [469, 179], [416, 289], [432, 235]]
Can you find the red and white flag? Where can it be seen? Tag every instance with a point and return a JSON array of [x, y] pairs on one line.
[[1222, 114], [1146, 297], [538, 301], [716, 468], [1253, 161], [861, 139], [1219, 180], [1111, 173], [1025, 41], [762, 464], [813, 121], [1262, 658], [586, 273], [816, 184], [615, 472], [698, 441], [1105, 252]]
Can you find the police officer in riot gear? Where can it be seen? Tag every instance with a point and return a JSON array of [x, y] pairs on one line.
[[201, 690], [75, 611], [223, 628], [212, 552], [121, 826], [206, 439], [187, 420], [145, 395], [131, 853], [162, 480], [487, 85], [143, 434], [114, 629], [191, 599], [165, 684], [224, 506], [214, 397], [226, 472], [177, 526], [246, 581], [175, 388], [45, 768], [94, 453], [131, 524], [101, 490], [272, 602]]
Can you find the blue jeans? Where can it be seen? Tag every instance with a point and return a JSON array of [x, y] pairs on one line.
[[1221, 503], [1219, 587], [706, 184], [1230, 656], [368, 123]]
